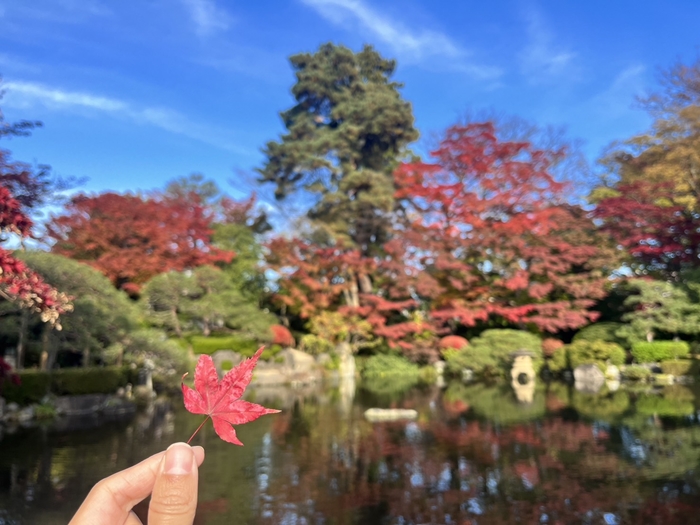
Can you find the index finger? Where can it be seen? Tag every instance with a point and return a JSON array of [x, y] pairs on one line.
[[110, 501]]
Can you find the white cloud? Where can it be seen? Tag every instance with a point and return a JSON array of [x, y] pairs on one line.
[[618, 99], [207, 17], [27, 94], [416, 46], [542, 59]]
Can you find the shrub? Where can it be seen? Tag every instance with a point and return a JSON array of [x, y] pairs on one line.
[[480, 362], [281, 335], [601, 332], [388, 365], [45, 411], [77, 381], [680, 367], [33, 386], [636, 373], [211, 344], [559, 361], [551, 345], [315, 345], [490, 353], [595, 352], [455, 342], [657, 351]]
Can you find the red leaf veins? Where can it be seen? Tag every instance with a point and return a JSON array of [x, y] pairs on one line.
[[221, 400]]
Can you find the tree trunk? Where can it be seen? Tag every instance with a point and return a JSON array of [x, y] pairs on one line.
[[22, 340], [650, 336], [206, 330], [45, 346], [86, 357]]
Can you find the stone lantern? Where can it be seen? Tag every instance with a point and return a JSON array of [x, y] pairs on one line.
[[523, 376]]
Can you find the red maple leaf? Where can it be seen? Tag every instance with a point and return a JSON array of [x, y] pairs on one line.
[[221, 400]]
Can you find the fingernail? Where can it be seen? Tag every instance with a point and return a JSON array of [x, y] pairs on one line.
[[179, 459]]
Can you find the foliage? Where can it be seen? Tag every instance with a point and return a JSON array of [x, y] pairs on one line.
[[667, 153], [681, 367], [489, 238], [347, 328], [22, 189], [203, 300], [131, 239], [657, 351], [490, 353], [101, 316], [7, 375], [479, 360], [221, 400], [93, 380], [281, 335], [344, 136], [454, 342], [637, 373], [601, 332], [45, 411], [315, 345], [658, 306], [168, 359], [386, 366], [559, 361], [33, 385], [595, 352], [551, 345], [211, 344]]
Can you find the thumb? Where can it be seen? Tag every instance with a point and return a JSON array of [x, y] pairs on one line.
[[174, 498]]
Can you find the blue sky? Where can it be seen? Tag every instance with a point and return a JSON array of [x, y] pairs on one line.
[[133, 93]]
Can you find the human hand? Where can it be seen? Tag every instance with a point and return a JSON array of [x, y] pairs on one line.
[[171, 478]]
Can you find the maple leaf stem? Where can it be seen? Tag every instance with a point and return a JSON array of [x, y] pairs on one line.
[[198, 429]]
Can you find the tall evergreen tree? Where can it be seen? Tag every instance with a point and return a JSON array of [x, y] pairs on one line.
[[344, 137]]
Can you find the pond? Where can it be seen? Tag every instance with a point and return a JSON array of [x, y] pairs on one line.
[[474, 455]]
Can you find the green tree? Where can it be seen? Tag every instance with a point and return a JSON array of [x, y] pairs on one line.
[[659, 307], [101, 315], [203, 300], [345, 134]]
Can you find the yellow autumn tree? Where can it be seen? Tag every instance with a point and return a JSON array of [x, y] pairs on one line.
[[669, 152]]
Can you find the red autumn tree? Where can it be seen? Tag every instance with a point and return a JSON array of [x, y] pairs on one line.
[[659, 235], [490, 234], [315, 279], [22, 189], [130, 238]]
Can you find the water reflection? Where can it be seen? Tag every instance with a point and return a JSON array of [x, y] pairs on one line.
[[474, 455]]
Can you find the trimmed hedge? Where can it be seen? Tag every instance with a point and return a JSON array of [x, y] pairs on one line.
[[657, 351], [35, 384], [78, 381]]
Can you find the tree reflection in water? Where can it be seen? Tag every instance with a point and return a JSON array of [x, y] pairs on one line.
[[474, 455]]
